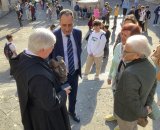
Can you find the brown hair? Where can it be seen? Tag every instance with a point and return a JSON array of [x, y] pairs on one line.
[[97, 22], [130, 17], [9, 36], [133, 28]]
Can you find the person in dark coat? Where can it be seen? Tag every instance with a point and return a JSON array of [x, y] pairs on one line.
[[42, 100], [136, 88]]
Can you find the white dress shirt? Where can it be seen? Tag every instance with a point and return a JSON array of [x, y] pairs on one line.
[[65, 39]]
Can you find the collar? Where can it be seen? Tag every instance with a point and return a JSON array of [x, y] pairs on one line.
[[63, 35], [136, 61], [29, 52]]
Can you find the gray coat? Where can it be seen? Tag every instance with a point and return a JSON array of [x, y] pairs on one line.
[[135, 90]]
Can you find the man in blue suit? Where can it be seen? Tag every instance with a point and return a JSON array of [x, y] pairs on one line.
[[68, 45]]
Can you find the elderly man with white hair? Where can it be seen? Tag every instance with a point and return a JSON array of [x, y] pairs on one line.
[[136, 87], [42, 101]]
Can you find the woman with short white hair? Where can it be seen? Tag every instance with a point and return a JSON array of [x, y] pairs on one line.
[[42, 100]]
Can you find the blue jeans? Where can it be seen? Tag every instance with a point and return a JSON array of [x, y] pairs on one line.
[[156, 19]]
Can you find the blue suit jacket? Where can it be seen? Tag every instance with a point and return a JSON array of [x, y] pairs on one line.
[[59, 49]]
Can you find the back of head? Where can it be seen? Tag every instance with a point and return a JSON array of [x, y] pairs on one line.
[[140, 45], [130, 18], [8, 37], [133, 28], [97, 22], [41, 38]]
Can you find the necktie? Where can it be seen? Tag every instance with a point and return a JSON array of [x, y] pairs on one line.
[[70, 56]]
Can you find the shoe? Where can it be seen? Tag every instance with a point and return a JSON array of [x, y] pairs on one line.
[[85, 77], [116, 128], [74, 117], [110, 118]]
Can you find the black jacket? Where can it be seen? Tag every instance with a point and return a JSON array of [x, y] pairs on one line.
[[42, 102]]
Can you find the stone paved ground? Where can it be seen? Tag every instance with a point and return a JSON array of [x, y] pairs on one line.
[[94, 97]]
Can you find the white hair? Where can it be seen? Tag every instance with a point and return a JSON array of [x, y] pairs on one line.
[[139, 44], [41, 38]]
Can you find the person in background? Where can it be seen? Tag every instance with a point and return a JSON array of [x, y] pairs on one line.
[[107, 34], [48, 13], [90, 22], [148, 16], [142, 18], [136, 3], [134, 92], [95, 49], [156, 59], [108, 12], [19, 17], [137, 12], [52, 27], [116, 12], [42, 100], [96, 12], [26, 7], [10, 49], [128, 19], [68, 46], [125, 7], [76, 11], [33, 12], [132, 11], [84, 12], [157, 14], [104, 12], [89, 12]]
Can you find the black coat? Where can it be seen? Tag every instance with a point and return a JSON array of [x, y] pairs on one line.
[[42, 102]]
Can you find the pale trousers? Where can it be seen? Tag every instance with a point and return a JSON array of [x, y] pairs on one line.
[[126, 125], [89, 63]]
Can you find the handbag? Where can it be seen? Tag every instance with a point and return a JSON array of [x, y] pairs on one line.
[[155, 114], [142, 122]]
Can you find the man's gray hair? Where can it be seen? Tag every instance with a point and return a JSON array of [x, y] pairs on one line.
[[66, 12], [139, 44], [41, 38]]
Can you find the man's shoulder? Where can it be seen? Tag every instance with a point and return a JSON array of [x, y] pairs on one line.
[[56, 30], [76, 30]]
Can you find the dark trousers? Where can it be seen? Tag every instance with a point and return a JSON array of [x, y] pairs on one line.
[[106, 19], [20, 22], [106, 50], [115, 21], [141, 24], [33, 16], [124, 11], [156, 19], [73, 81]]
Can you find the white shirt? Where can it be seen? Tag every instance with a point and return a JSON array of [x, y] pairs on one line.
[[96, 43], [65, 39], [29, 52], [13, 49]]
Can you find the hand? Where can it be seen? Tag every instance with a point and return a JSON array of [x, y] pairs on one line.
[[109, 81], [67, 89], [149, 110]]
